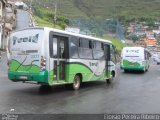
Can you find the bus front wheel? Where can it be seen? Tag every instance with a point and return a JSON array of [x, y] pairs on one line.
[[144, 70], [108, 81], [76, 82]]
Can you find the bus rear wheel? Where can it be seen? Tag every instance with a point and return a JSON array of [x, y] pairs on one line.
[[144, 70], [108, 81], [126, 71], [147, 68], [76, 82]]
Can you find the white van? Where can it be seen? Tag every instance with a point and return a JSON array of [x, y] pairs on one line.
[[135, 58]]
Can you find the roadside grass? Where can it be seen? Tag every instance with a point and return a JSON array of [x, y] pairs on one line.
[[116, 42], [123, 9], [42, 22], [44, 17]]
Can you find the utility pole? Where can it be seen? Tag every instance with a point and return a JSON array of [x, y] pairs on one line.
[[30, 13], [55, 14], [30, 5]]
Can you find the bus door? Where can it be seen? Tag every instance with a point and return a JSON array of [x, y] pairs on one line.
[[107, 58], [113, 52], [58, 57], [113, 60]]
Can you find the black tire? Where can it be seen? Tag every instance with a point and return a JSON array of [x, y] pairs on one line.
[[108, 81], [147, 69], [76, 82], [125, 71], [144, 70]]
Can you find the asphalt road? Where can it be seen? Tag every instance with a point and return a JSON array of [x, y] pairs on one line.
[[23, 19], [128, 93]]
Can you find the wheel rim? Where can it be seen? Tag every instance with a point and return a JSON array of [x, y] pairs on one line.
[[76, 83]]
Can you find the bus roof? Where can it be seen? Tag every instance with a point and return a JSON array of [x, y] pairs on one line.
[[135, 48], [65, 32]]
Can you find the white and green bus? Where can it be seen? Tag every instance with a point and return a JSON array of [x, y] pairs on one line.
[[135, 58], [53, 57]]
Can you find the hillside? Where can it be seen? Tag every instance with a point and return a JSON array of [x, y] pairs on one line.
[[104, 9], [110, 8], [70, 10]]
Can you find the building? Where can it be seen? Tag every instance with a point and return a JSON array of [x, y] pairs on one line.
[[150, 42], [150, 35], [7, 21], [137, 29], [2, 9], [140, 43], [2, 21], [10, 19]]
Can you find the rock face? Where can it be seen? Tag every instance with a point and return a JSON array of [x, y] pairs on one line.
[[7, 23], [10, 18]]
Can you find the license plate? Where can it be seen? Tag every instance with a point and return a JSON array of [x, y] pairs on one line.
[[23, 77]]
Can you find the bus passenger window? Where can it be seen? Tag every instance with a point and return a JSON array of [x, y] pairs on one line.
[[74, 44], [90, 44], [85, 49], [102, 46], [98, 50], [62, 51], [55, 47]]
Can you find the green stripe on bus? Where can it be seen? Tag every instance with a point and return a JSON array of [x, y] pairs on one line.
[[129, 63], [16, 66], [87, 74]]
